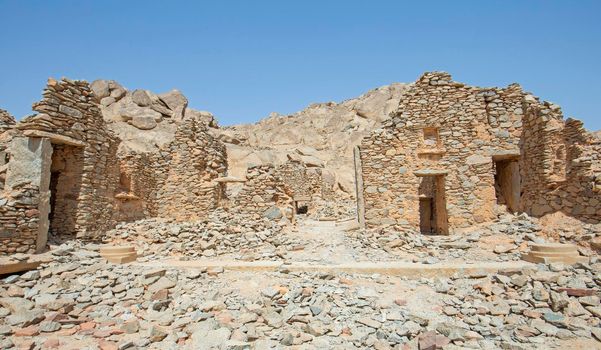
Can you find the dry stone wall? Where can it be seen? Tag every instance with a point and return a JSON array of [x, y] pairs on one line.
[[486, 147], [174, 182], [67, 118], [561, 165], [263, 189], [24, 197], [442, 128], [7, 121], [196, 159], [267, 186], [81, 182]]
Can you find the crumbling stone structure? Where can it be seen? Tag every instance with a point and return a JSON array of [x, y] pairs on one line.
[[175, 182], [292, 185], [56, 176], [6, 120], [453, 155], [65, 172], [562, 165]]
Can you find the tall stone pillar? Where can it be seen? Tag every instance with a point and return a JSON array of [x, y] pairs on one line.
[[30, 160]]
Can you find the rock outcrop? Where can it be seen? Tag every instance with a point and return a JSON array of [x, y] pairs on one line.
[[323, 134]]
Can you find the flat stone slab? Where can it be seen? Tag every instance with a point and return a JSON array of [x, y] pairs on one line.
[[554, 253], [9, 265], [392, 268], [119, 254]]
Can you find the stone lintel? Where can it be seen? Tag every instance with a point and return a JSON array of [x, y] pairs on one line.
[[55, 138], [430, 172], [505, 154], [431, 151], [227, 179]]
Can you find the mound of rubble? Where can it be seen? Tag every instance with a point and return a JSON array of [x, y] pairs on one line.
[[224, 234], [504, 240]]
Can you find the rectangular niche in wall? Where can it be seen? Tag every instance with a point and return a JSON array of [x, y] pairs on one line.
[[431, 138]]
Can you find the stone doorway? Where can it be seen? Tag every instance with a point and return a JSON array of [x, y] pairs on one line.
[[66, 171], [301, 207], [433, 218], [507, 182]]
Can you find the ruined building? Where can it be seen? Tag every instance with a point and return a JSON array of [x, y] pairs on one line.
[[293, 187], [453, 155], [64, 172]]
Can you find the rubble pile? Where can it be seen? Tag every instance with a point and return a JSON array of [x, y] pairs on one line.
[[80, 301], [504, 240], [340, 209], [243, 236]]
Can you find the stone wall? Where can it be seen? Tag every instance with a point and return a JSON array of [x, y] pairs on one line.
[[175, 182], [24, 200], [69, 115], [441, 128], [81, 183], [561, 165], [69, 121], [269, 185], [263, 189], [474, 140], [7, 121], [195, 160]]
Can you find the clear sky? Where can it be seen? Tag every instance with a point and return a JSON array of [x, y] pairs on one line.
[[242, 60]]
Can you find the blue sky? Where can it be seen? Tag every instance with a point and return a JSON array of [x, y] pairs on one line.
[[242, 60]]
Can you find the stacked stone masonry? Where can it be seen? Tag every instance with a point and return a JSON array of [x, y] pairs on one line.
[[489, 149], [63, 172], [267, 186]]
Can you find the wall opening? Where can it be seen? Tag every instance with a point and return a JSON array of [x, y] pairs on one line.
[[301, 207], [66, 172], [431, 138], [507, 183], [433, 206], [130, 207]]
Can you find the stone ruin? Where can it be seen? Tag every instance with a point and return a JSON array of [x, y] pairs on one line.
[[453, 156], [66, 172], [294, 186], [264, 250]]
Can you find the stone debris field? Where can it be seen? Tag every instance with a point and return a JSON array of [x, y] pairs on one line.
[[421, 216]]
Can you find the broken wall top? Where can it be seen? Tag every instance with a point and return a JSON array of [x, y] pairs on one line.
[[7, 121], [67, 114]]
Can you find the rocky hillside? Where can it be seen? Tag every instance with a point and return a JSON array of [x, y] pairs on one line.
[[323, 134], [142, 119]]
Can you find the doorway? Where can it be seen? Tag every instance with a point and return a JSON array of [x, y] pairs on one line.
[[432, 206], [301, 207], [507, 183], [66, 172]]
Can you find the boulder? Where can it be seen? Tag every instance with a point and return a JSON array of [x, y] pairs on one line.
[[117, 91], [273, 213], [144, 122], [129, 111], [107, 101], [100, 88], [141, 98], [174, 99]]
